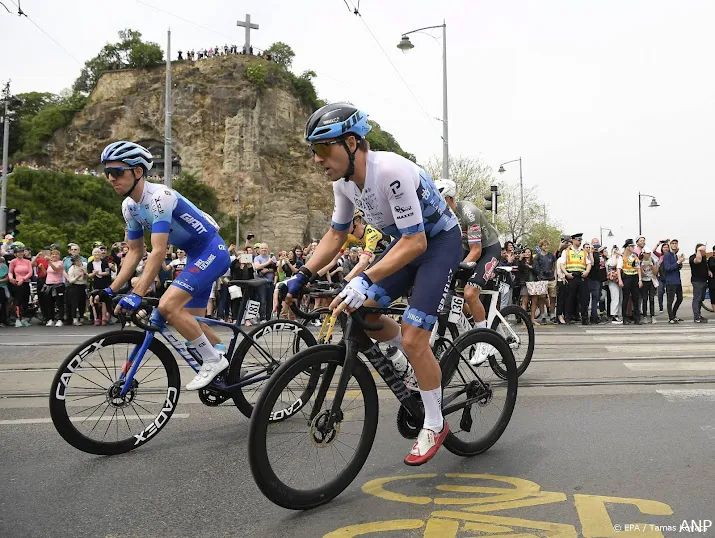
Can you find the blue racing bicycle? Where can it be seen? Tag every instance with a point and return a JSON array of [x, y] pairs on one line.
[[118, 389]]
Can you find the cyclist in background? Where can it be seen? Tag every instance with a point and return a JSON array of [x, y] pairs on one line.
[[480, 244], [172, 219]]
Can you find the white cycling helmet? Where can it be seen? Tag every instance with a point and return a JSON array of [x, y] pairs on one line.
[[446, 187]]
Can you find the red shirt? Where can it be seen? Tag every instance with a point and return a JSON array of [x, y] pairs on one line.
[[42, 265]]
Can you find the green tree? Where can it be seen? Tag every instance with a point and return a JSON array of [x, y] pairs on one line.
[[101, 226], [256, 75], [129, 52], [471, 174], [201, 194], [281, 53], [38, 235], [541, 230], [304, 89], [381, 140]]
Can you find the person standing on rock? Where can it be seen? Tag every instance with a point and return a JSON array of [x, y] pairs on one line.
[[172, 219]]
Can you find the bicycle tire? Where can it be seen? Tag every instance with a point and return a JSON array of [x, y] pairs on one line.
[[449, 366], [263, 473], [62, 380], [707, 306], [240, 399], [526, 320]]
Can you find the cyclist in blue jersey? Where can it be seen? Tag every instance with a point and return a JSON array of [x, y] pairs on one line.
[[171, 219], [396, 196]]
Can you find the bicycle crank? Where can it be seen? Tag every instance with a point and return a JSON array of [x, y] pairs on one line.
[[211, 397]]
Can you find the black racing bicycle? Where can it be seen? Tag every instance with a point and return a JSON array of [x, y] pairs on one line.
[[308, 438]]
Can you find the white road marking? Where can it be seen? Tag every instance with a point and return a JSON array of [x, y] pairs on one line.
[[680, 395], [670, 366], [79, 419]]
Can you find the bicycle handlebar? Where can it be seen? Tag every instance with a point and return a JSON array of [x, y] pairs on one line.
[[149, 303]]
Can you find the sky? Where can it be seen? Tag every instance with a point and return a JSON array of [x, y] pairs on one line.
[[601, 100]]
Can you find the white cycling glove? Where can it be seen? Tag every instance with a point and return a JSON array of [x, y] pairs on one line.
[[355, 293]]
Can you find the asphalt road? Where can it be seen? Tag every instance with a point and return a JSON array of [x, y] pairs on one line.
[[614, 426]]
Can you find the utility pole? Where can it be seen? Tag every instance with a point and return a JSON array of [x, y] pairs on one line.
[[5, 144], [238, 211], [167, 123]]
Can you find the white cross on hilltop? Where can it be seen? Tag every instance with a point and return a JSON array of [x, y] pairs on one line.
[[248, 26]]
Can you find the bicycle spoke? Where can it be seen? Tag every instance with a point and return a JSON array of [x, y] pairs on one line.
[[87, 362], [98, 420], [99, 352], [87, 409], [109, 424]]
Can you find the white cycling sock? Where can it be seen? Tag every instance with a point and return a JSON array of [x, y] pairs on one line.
[[397, 342], [205, 349], [481, 324], [432, 400]]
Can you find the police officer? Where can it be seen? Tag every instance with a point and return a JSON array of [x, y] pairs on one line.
[[576, 265], [632, 279]]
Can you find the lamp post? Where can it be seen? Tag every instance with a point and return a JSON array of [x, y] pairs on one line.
[[521, 188], [610, 233], [653, 203], [405, 45]]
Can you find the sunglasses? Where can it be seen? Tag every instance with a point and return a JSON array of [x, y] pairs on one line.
[[116, 171], [322, 149]]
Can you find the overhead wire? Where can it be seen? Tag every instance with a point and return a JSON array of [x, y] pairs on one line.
[[20, 12], [356, 12]]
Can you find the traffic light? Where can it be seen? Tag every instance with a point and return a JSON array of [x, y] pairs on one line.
[[12, 221], [492, 202]]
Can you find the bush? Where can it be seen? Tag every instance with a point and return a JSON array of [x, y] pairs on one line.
[[256, 75]]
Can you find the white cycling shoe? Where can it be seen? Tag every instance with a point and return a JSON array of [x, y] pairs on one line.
[[482, 353], [207, 373]]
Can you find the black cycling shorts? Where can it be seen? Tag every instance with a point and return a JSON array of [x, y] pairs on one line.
[[486, 266]]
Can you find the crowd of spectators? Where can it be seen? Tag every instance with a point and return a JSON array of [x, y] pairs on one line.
[[619, 284], [53, 288], [226, 50]]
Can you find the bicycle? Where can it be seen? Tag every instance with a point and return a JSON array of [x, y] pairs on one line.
[[707, 305], [118, 386], [502, 320], [328, 426]]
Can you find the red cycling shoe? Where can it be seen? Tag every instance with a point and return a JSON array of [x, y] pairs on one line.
[[426, 445]]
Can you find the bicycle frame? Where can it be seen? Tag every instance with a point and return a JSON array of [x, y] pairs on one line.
[[157, 321]]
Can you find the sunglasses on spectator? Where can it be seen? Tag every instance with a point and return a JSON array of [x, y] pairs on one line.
[[116, 171], [322, 149]]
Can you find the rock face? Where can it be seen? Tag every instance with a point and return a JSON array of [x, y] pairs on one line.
[[238, 138]]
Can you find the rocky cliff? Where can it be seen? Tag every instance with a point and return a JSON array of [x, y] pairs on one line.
[[229, 132]]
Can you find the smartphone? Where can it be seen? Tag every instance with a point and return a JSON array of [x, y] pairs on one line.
[[246, 258], [250, 236]]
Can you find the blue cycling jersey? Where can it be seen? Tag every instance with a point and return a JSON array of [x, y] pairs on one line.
[[163, 210]]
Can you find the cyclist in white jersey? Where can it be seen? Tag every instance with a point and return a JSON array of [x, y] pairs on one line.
[[172, 219], [398, 197]]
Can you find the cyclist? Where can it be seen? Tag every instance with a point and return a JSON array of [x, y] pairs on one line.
[[480, 244], [369, 239], [397, 196], [172, 219]]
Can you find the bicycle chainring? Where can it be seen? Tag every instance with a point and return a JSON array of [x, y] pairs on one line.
[[211, 398], [407, 424]]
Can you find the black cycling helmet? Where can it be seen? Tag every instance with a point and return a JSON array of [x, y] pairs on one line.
[[336, 121]]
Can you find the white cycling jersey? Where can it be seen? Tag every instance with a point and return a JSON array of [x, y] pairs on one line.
[[398, 197]]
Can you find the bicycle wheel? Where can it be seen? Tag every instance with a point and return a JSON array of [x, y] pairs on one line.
[[315, 325], [518, 333], [707, 306], [282, 338], [289, 456], [478, 400], [85, 394]]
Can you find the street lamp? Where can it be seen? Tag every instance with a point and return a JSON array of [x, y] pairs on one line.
[[653, 203], [610, 234], [521, 188], [405, 45]]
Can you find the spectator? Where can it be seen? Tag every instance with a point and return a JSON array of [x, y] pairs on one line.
[[699, 278], [673, 263], [663, 247], [40, 263], [631, 278], [54, 290], [711, 277], [240, 270], [179, 264], [166, 273], [527, 276], [265, 267], [20, 275], [544, 264], [4, 291], [77, 291], [100, 278], [73, 249], [649, 268], [593, 278], [614, 264]]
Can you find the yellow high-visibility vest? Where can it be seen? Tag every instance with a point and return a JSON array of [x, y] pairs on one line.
[[575, 261]]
